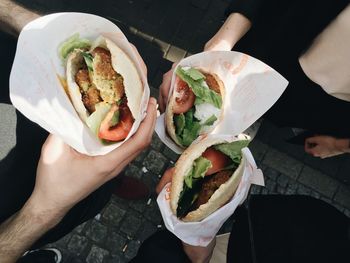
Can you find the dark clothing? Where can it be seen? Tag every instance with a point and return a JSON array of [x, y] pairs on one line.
[[281, 31], [18, 167], [272, 229]]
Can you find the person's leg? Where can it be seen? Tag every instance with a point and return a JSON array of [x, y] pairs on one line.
[[161, 247]]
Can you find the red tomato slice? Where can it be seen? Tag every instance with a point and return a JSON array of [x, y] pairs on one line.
[[121, 130], [185, 97], [218, 160]]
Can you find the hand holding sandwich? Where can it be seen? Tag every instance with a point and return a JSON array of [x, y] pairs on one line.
[[60, 186], [196, 254]]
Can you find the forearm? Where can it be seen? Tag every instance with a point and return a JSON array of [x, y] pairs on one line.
[[20, 231], [234, 28], [13, 17]]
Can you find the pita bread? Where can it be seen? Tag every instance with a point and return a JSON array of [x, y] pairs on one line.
[[220, 197], [121, 63]]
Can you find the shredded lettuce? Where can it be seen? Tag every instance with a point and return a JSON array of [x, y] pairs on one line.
[[88, 60], [195, 81], [233, 149], [72, 43], [95, 119], [200, 166]]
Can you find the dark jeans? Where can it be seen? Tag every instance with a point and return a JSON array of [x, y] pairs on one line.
[[272, 229], [18, 168]]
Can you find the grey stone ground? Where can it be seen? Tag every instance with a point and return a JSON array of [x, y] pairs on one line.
[[164, 32]]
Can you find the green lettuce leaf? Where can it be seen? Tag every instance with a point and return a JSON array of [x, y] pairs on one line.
[[187, 127], [210, 121], [233, 149], [179, 121], [95, 119], [88, 60], [72, 43], [195, 82]]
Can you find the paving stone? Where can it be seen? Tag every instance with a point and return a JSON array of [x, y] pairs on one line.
[[132, 249], [152, 213], [256, 189], [318, 181], [96, 255], [146, 230], [141, 156], [315, 194], [62, 243], [155, 162], [291, 188], [78, 244], [170, 154], [139, 205], [175, 54], [265, 191], [130, 225], [133, 171], [270, 185], [115, 243], [156, 143], [280, 189], [113, 214], [282, 180], [283, 163], [97, 231], [258, 149], [303, 190], [343, 197], [80, 228]]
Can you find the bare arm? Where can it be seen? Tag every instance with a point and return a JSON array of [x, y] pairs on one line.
[[14, 17], [19, 232], [59, 187], [234, 28]]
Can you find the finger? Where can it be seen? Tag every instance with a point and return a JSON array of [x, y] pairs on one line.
[[166, 178], [136, 143], [164, 90], [142, 63]]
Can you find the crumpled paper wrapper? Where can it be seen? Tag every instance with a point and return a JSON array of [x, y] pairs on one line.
[[202, 233], [252, 87], [35, 88]]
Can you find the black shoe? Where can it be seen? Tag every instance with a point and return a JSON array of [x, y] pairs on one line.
[[44, 255]]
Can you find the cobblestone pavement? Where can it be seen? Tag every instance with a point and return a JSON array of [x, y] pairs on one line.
[[164, 32]]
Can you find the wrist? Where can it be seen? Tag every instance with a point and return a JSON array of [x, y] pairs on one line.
[[235, 27], [41, 216], [343, 145]]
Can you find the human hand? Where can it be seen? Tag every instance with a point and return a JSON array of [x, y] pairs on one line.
[[199, 254], [326, 146], [164, 88], [65, 176], [166, 178], [234, 28]]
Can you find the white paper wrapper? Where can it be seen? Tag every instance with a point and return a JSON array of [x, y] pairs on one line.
[[201, 233], [252, 87], [35, 89]]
